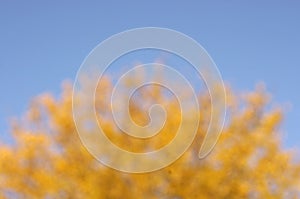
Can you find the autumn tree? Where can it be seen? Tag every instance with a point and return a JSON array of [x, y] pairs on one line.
[[46, 158]]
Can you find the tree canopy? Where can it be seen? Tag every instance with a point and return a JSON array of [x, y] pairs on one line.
[[46, 158]]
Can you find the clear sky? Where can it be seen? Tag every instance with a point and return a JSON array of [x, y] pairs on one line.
[[41, 44]]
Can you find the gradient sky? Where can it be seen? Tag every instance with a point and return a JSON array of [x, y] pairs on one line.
[[43, 43]]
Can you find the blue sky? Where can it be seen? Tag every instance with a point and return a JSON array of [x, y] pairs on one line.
[[43, 43]]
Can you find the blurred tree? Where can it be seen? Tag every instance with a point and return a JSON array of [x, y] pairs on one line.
[[47, 159]]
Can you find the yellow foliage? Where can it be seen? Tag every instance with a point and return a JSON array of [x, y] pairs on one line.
[[47, 159]]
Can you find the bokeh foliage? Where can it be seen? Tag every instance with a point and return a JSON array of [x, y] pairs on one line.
[[47, 160]]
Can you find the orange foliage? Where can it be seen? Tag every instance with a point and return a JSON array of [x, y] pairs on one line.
[[48, 160]]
